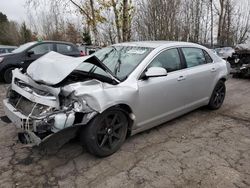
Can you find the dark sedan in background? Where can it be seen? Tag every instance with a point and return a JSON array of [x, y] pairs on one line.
[[7, 49], [23, 56]]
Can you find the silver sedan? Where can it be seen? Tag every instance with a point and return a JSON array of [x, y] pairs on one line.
[[118, 91]]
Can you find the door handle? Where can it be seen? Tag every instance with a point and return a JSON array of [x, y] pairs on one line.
[[213, 70], [181, 78]]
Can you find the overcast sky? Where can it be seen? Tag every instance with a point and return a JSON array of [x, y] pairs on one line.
[[14, 9]]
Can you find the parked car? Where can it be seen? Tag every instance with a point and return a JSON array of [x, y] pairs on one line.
[[240, 61], [88, 50], [23, 56], [6, 49], [118, 91], [225, 52]]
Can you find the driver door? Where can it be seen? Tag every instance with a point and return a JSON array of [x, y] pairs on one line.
[[162, 98]]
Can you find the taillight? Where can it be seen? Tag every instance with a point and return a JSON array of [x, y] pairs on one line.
[[82, 53]]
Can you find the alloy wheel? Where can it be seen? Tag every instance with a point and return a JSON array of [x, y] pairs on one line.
[[111, 130], [219, 95]]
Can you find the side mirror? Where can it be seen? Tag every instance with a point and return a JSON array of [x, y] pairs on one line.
[[30, 53], [155, 72]]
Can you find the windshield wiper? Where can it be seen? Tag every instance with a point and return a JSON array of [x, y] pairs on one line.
[[118, 65], [105, 57], [94, 60]]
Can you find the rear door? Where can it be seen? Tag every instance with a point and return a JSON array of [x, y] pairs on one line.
[[200, 74]]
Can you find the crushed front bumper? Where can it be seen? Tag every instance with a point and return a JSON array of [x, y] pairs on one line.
[[38, 115], [21, 121], [29, 126]]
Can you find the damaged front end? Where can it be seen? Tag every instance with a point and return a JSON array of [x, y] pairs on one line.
[[240, 61], [42, 111]]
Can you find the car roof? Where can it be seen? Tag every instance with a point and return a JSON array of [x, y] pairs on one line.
[[53, 41], [6, 46], [156, 44]]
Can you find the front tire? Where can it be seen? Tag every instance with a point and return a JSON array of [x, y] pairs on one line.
[[218, 96], [105, 134]]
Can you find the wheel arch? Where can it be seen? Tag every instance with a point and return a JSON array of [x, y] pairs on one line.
[[124, 108], [7, 67], [128, 111], [223, 79]]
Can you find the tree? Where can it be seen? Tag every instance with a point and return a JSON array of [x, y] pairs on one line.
[[4, 23], [94, 14], [110, 21], [3, 18], [72, 35], [125, 18], [9, 34], [160, 20], [241, 27], [13, 34], [25, 34], [117, 20], [86, 38], [224, 11], [212, 23], [123, 11]]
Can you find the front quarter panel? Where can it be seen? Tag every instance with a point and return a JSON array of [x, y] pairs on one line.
[[101, 96]]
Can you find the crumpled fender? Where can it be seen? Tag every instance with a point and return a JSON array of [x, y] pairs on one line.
[[100, 96]]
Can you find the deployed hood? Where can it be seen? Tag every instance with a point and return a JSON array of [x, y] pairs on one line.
[[53, 67]]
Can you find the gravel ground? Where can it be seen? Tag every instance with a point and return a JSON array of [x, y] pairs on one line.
[[201, 149]]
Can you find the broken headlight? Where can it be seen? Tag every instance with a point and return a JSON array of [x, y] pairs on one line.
[[81, 106]]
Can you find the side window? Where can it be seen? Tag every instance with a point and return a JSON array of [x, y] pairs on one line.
[[169, 59], [194, 56], [42, 49], [64, 48], [2, 50], [207, 57]]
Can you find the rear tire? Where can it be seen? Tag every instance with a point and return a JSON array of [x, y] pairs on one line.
[[7, 75], [105, 134], [218, 96]]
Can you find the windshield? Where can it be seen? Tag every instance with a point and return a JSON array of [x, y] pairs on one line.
[[23, 47], [120, 60]]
